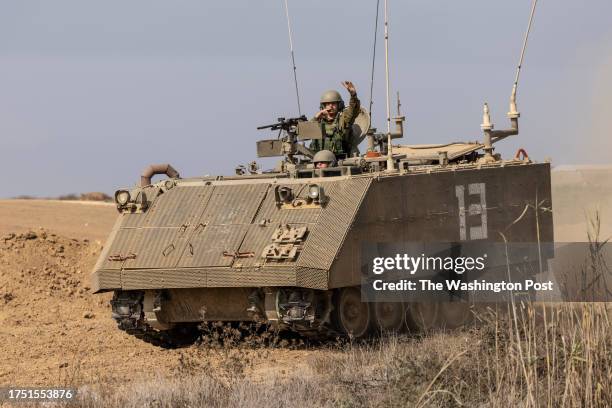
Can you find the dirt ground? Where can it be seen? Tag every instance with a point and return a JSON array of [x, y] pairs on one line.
[[75, 219], [578, 194], [53, 331]]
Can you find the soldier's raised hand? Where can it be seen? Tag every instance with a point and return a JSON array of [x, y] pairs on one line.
[[349, 87]]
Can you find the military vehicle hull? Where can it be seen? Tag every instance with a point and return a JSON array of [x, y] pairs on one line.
[[258, 248]]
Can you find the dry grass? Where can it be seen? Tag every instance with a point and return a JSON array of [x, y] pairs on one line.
[[547, 356], [525, 354]]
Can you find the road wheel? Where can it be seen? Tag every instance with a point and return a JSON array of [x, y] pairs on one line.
[[352, 316], [422, 316], [389, 316]]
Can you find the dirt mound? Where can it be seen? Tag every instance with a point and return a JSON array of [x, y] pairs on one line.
[[42, 263], [52, 328], [55, 332]]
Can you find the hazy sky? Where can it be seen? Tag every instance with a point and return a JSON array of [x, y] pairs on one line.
[[91, 92]]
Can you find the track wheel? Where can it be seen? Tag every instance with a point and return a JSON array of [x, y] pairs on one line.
[[454, 314], [351, 315], [422, 316], [389, 316]]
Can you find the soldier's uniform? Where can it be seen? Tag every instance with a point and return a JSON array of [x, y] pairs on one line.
[[337, 136]]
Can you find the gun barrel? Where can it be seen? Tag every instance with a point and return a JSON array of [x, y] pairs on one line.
[[283, 123], [266, 126]]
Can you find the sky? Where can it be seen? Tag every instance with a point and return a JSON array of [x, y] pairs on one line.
[[92, 92]]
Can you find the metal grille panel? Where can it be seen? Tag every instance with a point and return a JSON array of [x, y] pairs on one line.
[[257, 237], [251, 277], [126, 242], [135, 220], [327, 236], [178, 206], [106, 280], [160, 278], [312, 278], [233, 204], [206, 246], [159, 247]]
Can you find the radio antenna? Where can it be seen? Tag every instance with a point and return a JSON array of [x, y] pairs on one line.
[[490, 135], [374, 57], [297, 91], [390, 165], [513, 110]]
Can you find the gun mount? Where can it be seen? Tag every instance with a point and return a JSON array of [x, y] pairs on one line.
[[291, 132]]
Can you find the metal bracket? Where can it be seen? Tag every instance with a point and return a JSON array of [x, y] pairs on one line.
[[277, 252], [286, 243], [286, 234], [121, 258], [238, 255], [152, 309], [270, 300]]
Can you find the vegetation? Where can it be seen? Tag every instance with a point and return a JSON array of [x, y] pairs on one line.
[[93, 196], [541, 356], [520, 354]]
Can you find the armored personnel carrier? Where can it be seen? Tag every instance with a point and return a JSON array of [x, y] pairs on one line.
[[287, 247], [284, 247]]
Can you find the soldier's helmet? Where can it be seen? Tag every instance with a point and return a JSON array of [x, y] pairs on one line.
[[332, 96], [324, 158]]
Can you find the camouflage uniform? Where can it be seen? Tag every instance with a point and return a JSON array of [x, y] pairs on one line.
[[337, 134]]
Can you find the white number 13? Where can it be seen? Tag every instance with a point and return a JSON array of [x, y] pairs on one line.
[[475, 231]]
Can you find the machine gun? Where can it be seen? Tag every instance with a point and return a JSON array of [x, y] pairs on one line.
[[291, 132], [287, 125]]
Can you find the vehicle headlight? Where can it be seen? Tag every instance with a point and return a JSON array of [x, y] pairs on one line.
[[285, 194], [313, 191], [122, 197]]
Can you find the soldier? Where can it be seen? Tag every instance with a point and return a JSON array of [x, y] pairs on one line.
[[336, 122], [323, 159]]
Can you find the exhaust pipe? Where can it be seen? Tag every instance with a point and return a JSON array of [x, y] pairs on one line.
[[150, 171]]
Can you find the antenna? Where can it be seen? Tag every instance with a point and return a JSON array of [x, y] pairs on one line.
[[399, 105], [297, 92], [491, 136], [390, 165], [374, 57], [513, 113], [520, 64]]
